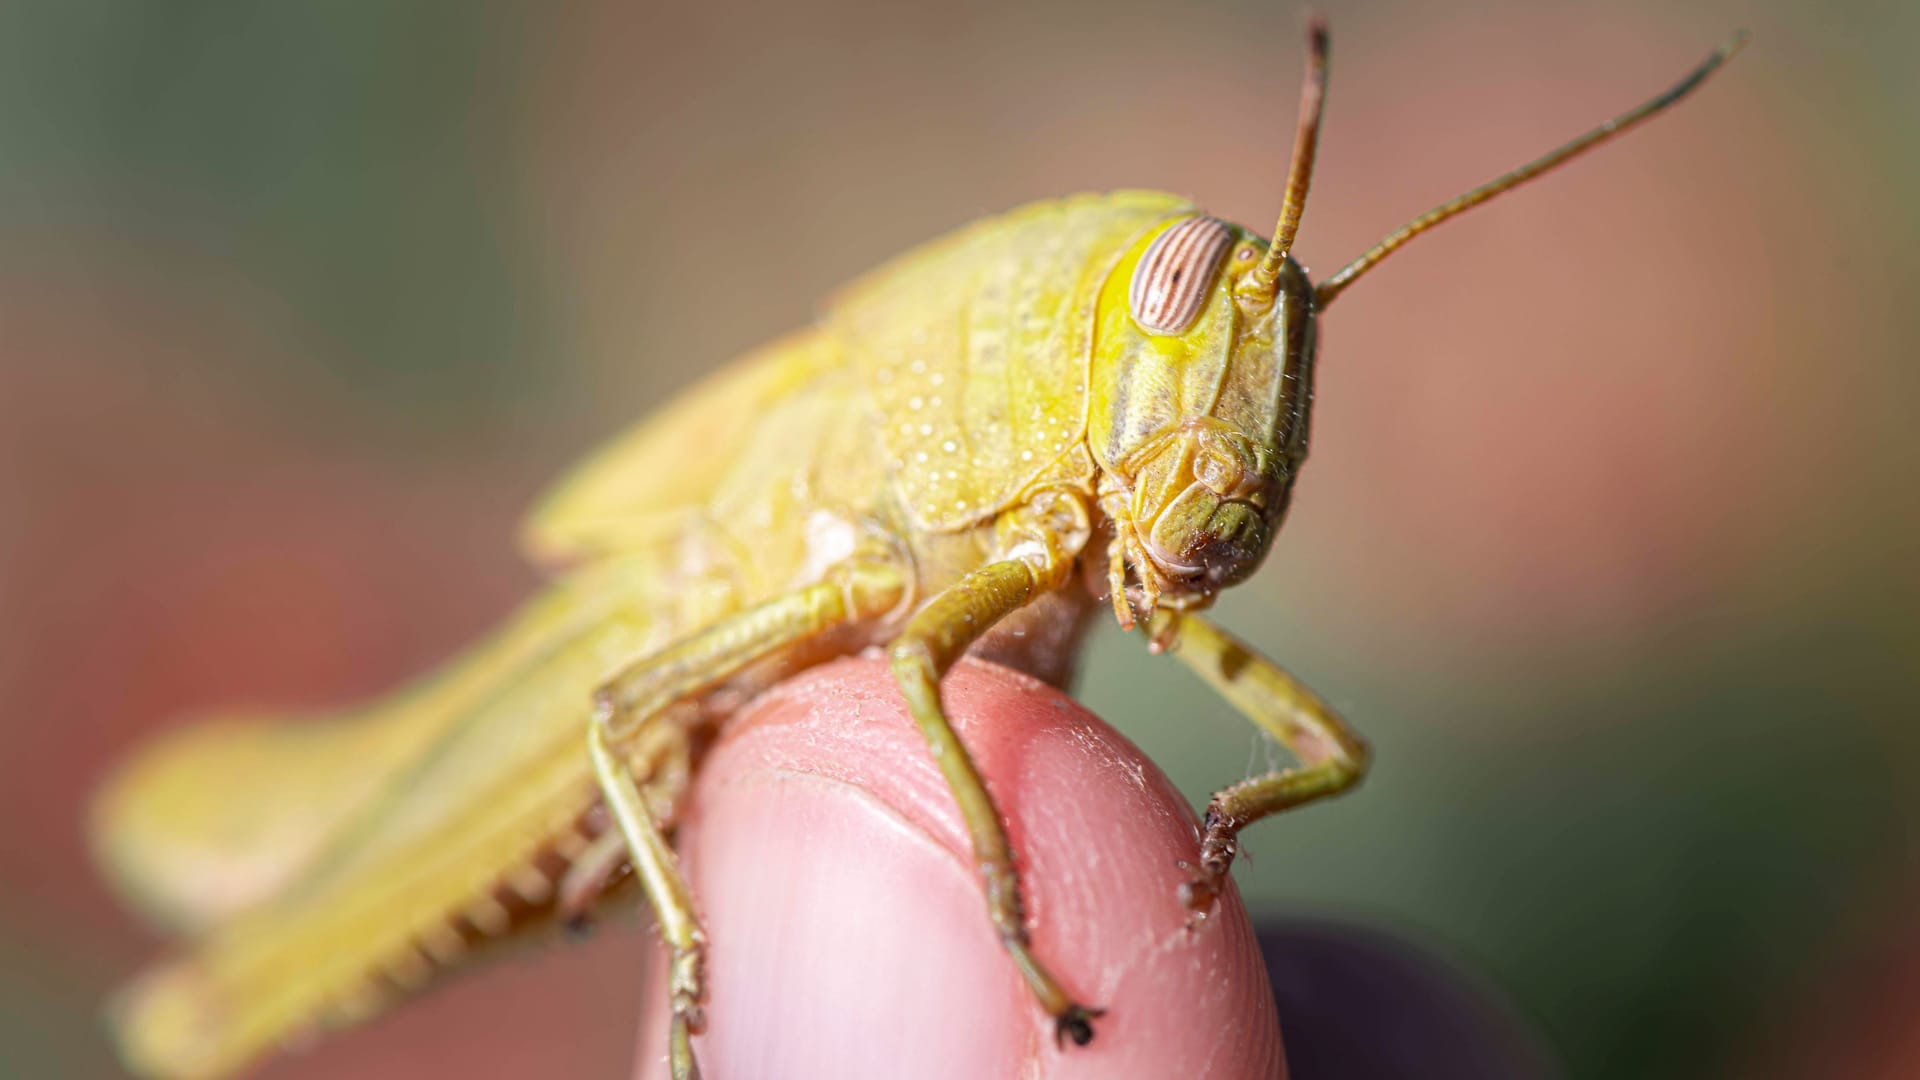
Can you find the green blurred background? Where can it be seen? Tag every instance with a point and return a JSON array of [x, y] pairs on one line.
[[1609, 542]]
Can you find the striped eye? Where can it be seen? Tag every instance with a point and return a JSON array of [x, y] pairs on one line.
[[1170, 283]]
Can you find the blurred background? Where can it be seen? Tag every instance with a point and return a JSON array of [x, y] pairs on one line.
[[1609, 541]]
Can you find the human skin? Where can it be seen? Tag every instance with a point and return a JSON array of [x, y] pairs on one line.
[[848, 934]]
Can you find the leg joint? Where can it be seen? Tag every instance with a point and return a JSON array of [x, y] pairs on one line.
[[1353, 757], [911, 655]]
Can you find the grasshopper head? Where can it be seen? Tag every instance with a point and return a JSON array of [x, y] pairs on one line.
[[1202, 378]]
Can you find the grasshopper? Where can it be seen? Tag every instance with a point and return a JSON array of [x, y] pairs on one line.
[[1102, 398]]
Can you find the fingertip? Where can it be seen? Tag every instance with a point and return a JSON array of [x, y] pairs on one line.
[[849, 935]]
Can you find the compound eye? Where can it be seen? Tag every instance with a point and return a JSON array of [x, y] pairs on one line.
[[1220, 471], [1171, 281]]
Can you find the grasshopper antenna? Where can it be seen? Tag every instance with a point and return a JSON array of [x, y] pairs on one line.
[[1326, 291], [1306, 142]]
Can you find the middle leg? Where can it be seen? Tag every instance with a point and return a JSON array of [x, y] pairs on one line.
[[855, 591]]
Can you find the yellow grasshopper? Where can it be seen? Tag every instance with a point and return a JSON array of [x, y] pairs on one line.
[[1099, 398]]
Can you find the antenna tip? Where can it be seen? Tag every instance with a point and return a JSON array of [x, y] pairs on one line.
[[1317, 30]]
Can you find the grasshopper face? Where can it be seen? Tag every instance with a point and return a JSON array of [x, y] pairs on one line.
[[1203, 379]]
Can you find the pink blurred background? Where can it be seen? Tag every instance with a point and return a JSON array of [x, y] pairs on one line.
[[1609, 541]]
